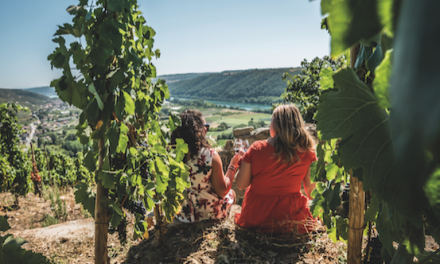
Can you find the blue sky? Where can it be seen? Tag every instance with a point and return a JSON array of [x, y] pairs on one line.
[[193, 36]]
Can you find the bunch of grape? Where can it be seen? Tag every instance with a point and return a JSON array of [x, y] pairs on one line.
[[345, 199], [145, 174], [122, 231], [346, 192], [117, 163], [137, 207], [376, 246]]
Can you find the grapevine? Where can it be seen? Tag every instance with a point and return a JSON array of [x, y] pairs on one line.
[[126, 141], [355, 110], [15, 166]]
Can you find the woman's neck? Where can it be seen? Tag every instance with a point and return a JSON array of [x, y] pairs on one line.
[[271, 141]]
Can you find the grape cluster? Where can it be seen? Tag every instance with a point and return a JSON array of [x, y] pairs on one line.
[[346, 192], [136, 207], [145, 174], [345, 199], [376, 247], [122, 231], [117, 163]]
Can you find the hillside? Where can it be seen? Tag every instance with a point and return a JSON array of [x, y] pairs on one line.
[[46, 91], [251, 86], [23, 97], [171, 78]]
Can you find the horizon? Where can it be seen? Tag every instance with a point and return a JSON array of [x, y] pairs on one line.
[[48, 86]]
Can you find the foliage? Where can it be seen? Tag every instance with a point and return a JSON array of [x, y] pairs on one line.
[[304, 89], [57, 206], [225, 136], [398, 164], [15, 166], [126, 142], [256, 124], [250, 86], [223, 126], [11, 251], [64, 170]]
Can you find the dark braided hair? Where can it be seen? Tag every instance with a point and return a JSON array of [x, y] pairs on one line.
[[191, 131]]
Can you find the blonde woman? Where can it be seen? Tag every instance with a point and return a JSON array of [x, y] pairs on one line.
[[273, 171]]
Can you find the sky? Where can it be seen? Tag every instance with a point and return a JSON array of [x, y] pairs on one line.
[[192, 35]]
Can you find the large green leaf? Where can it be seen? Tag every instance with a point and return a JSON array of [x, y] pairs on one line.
[[85, 196], [129, 104], [4, 225], [415, 92], [351, 21], [382, 81], [352, 113], [16, 255]]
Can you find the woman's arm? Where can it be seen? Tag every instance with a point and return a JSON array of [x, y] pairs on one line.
[[308, 186], [244, 176], [221, 183]]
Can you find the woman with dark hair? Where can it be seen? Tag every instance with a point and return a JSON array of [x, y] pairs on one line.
[[210, 195], [273, 171]]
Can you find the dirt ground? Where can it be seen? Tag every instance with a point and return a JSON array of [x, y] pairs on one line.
[[209, 242]]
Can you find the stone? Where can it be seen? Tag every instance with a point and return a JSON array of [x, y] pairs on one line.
[[229, 145], [242, 131]]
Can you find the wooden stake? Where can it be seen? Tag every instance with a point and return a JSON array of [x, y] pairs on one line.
[[101, 221], [355, 221], [356, 204]]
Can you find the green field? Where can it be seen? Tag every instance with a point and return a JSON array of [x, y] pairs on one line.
[[235, 120]]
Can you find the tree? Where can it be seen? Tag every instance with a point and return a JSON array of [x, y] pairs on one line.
[[304, 89], [71, 137]]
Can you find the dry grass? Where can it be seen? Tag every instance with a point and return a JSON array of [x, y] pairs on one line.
[[207, 242]]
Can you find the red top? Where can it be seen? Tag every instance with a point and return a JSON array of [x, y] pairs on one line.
[[274, 193]]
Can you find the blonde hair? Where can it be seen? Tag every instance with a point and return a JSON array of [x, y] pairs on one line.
[[291, 134]]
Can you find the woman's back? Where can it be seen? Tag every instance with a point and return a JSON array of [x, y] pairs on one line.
[[202, 202], [273, 177], [273, 201]]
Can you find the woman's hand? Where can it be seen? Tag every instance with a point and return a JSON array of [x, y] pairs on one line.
[[308, 185], [237, 157]]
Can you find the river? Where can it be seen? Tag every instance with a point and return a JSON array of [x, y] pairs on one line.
[[245, 106]]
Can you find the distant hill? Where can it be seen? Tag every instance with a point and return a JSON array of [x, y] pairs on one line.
[[45, 90], [171, 78], [23, 97], [250, 86]]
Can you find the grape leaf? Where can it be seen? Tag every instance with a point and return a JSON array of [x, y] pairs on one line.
[[129, 104], [181, 149], [372, 210], [123, 139], [98, 99], [108, 180], [351, 21], [382, 81], [13, 254], [4, 225], [162, 175], [85, 196], [414, 93], [342, 227], [326, 78], [351, 113]]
